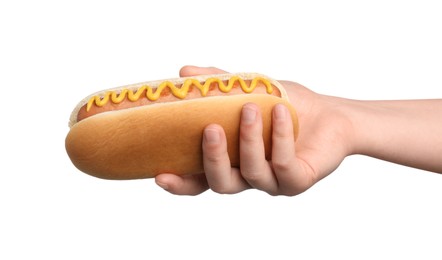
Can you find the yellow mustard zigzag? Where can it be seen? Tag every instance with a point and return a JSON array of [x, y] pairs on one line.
[[179, 92]]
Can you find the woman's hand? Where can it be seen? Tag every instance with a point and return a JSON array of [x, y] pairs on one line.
[[322, 144]]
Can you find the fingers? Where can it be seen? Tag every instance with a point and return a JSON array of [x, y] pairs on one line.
[[254, 167], [288, 169], [220, 176], [188, 71], [285, 174]]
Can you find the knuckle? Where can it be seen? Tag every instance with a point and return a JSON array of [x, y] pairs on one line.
[[282, 130], [213, 158], [290, 193], [282, 134], [248, 135], [294, 189], [273, 193], [221, 189], [251, 176], [282, 165]]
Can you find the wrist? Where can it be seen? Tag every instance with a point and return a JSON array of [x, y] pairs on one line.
[[316, 112], [342, 121], [360, 123]]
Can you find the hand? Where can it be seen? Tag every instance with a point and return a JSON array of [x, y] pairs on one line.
[[322, 144]]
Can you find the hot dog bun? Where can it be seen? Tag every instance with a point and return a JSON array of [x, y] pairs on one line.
[[164, 137]]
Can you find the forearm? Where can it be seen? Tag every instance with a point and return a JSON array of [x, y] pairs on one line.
[[407, 132]]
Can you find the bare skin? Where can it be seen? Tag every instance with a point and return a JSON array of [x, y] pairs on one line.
[[407, 132]]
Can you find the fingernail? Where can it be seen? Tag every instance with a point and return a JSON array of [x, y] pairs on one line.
[[162, 185], [248, 115], [211, 136], [280, 112]]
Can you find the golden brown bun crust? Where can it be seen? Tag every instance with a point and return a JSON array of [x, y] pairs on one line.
[[144, 141]]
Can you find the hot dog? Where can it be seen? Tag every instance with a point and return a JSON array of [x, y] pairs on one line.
[[141, 130]]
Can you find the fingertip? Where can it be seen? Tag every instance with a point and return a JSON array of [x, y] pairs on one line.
[[250, 114], [190, 70], [280, 112], [282, 121], [212, 135], [187, 70], [164, 181], [182, 185]]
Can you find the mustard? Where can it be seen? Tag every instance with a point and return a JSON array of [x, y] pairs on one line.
[[179, 92]]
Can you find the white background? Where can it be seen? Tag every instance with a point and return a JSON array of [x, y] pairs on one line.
[[53, 54]]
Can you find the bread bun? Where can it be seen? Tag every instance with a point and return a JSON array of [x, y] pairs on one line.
[[165, 137]]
